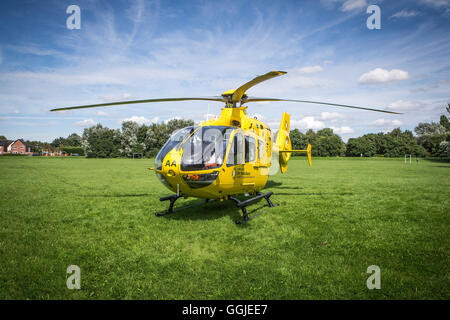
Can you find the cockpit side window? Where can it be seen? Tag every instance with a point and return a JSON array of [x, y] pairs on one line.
[[205, 148], [236, 153], [250, 149], [176, 138], [260, 149]]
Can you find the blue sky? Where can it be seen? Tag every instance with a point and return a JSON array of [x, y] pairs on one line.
[[149, 49]]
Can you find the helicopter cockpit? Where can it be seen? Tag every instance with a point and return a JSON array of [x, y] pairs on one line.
[[203, 147]]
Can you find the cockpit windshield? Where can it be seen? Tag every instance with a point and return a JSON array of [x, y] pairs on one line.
[[176, 138], [205, 148]]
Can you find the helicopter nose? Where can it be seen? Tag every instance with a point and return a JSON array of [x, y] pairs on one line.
[[169, 173], [170, 168]]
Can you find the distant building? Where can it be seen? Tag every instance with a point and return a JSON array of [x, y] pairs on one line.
[[15, 147], [4, 146]]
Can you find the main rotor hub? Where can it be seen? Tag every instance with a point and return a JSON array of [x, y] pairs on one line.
[[228, 99]]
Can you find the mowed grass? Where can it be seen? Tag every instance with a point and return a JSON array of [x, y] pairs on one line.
[[335, 219]]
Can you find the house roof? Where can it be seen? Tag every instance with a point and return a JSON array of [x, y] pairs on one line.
[[9, 142], [21, 140]]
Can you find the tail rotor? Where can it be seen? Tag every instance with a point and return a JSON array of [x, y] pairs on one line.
[[283, 142]]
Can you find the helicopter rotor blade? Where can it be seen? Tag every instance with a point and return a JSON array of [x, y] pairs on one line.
[[256, 99], [215, 98], [239, 92]]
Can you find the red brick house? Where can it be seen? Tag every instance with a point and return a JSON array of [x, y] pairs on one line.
[[15, 147]]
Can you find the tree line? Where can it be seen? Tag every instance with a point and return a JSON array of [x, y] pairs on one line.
[[432, 139], [102, 142]]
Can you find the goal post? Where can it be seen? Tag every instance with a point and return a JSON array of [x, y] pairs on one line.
[[406, 156], [138, 156]]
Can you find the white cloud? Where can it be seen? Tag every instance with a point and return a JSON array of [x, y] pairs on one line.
[[311, 69], [141, 120], [386, 123], [308, 123], [405, 14], [350, 5], [86, 123], [343, 130], [167, 121], [401, 105], [330, 116], [380, 75], [34, 50], [436, 3], [112, 97], [296, 79], [101, 113]]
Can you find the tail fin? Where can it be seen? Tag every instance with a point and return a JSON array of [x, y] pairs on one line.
[[284, 144]]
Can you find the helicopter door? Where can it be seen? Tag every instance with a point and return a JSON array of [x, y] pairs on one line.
[[249, 172], [235, 158]]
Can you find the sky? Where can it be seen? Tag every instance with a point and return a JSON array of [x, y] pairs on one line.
[[143, 49]]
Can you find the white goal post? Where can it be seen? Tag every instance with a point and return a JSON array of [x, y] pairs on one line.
[[138, 155], [406, 156]]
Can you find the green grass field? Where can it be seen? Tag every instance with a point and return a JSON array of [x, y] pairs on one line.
[[335, 219]]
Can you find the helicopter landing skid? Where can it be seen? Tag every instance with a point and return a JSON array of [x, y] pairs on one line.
[[174, 198], [242, 205]]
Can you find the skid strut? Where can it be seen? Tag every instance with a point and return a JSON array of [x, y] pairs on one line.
[[172, 199], [242, 205]]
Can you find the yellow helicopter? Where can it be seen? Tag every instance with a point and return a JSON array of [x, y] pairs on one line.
[[226, 156]]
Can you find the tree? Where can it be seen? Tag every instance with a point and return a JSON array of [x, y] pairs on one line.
[[425, 129], [324, 143], [434, 136], [73, 140], [3, 138], [329, 146], [157, 134], [399, 143], [101, 142], [176, 124], [129, 139], [446, 143], [58, 142], [362, 145], [297, 139]]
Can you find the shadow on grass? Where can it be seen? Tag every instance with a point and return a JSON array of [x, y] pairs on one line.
[[443, 160], [278, 185], [198, 209], [117, 195], [314, 194]]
